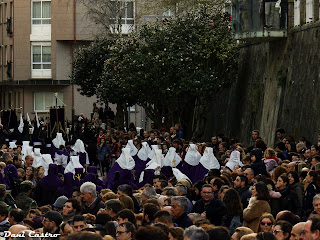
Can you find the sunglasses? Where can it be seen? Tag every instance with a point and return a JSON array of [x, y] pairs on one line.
[[275, 232], [266, 223]]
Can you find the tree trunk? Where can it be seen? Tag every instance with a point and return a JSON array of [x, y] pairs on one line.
[[199, 121], [120, 116]]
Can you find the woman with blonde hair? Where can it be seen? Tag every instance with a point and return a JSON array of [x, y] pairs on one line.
[[266, 222]]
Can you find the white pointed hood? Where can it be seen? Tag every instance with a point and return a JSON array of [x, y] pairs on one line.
[[37, 157], [192, 156], [208, 160], [125, 160], [12, 145], [58, 141], [26, 149], [156, 161], [61, 159], [21, 124], [73, 164], [133, 149], [79, 147], [178, 174], [234, 160], [172, 159], [153, 148], [46, 160], [37, 120], [144, 151]]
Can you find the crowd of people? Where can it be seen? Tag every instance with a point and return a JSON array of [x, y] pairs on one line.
[[105, 183]]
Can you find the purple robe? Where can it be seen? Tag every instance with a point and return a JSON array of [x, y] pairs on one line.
[[11, 175], [60, 169], [91, 177], [189, 170], [201, 171], [78, 176], [140, 166], [53, 150], [92, 169], [167, 171], [125, 178], [61, 152], [147, 178], [114, 168], [51, 182], [82, 158], [66, 189]]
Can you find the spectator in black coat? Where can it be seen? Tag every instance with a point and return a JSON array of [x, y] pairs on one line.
[[179, 207], [91, 202], [289, 199], [257, 164], [242, 186], [209, 207]]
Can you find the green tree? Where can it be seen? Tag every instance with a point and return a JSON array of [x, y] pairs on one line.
[[169, 67]]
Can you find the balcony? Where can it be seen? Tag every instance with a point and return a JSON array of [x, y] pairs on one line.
[[258, 20]]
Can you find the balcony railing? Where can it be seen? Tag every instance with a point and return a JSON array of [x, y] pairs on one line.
[[9, 26], [254, 19], [9, 70]]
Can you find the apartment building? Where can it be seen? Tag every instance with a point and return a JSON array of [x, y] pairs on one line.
[[38, 42]]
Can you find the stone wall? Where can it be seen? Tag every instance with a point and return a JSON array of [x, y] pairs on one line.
[[277, 86]]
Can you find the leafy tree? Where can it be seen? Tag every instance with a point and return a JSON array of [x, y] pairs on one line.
[[168, 67]]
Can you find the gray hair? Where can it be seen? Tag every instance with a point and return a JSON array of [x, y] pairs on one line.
[[251, 171], [89, 187], [182, 188], [316, 197], [183, 201], [149, 192], [196, 233], [171, 191]]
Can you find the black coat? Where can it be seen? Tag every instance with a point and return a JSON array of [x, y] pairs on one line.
[[215, 210], [183, 221], [245, 196], [94, 207], [288, 201], [259, 168]]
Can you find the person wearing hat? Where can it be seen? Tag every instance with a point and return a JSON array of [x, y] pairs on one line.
[[51, 222], [59, 203], [23, 199]]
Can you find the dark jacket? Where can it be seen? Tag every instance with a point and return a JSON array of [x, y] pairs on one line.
[[245, 196], [94, 207], [103, 152], [288, 201], [310, 192], [183, 221], [259, 168], [299, 189], [214, 210]]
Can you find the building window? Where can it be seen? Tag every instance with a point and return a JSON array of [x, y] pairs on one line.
[[41, 56], [122, 12], [132, 108], [44, 100], [41, 12]]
